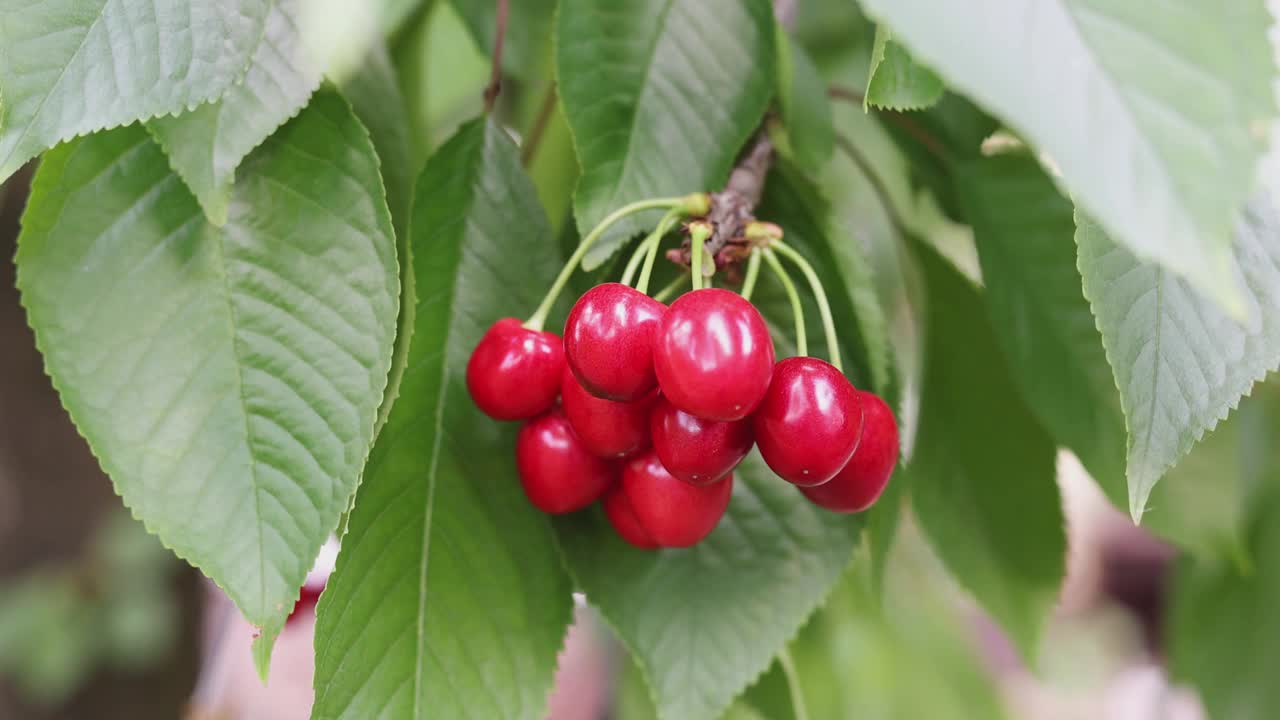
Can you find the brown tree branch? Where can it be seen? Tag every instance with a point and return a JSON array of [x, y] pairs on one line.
[[908, 125], [495, 74], [529, 146]]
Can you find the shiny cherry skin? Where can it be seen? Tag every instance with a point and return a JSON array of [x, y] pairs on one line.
[[618, 509], [557, 472], [694, 450], [514, 372], [607, 428], [713, 355], [608, 341], [810, 421], [672, 512], [857, 487]]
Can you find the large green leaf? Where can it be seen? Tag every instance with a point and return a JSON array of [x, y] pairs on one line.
[[207, 144], [704, 622], [1156, 120], [1181, 364], [227, 379], [1024, 228], [1223, 625], [449, 599], [982, 480], [660, 96], [70, 67], [1203, 503], [897, 82]]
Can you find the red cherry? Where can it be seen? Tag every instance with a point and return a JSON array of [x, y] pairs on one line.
[[514, 372], [809, 423], [713, 355], [608, 341], [695, 450], [618, 509], [557, 472], [672, 512], [606, 428], [856, 487]]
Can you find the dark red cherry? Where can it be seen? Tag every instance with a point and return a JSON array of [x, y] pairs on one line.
[[859, 484], [608, 341], [713, 355], [809, 422], [557, 472], [606, 428], [514, 372], [695, 450], [672, 512], [618, 509]]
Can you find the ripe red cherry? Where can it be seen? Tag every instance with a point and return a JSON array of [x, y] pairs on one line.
[[695, 450], [514, 372], [713, 355], [557, 472], [608, 341], [810, 421], [672, 512], [606, 428], [859, 484], [618, 509]]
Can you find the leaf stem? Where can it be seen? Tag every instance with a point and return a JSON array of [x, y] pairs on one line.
[[670, 289], [797, 309], [533, 139], [753, 272], [798, 707], [824, 307], [495, 73], [539, 316]]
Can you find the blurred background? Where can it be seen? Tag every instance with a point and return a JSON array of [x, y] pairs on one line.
[[97, 620]]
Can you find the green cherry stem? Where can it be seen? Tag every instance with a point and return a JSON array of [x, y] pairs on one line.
[[651, 253], [698, 234], [802, 344], [794, 687], [650, 240], [824, 307], [539, 316], [753, 272], [671, 288]]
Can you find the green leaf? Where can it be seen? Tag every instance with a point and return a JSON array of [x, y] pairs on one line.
[[1024, 228], [982, 480], [1202, 504], [841, 263], [1157, 121], [70, 67], [1181, 364], [449, 599], [806, 111], [1223, 625], [704, 622], [227, 379], [528, 32], [660, 96], [897, 82], [207, 144]]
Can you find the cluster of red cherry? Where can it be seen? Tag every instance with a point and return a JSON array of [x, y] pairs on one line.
[[659, 404]]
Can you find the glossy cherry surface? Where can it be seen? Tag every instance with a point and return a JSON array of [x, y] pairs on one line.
[[608, 341], [618, 509], [809, 422], [713, 355], [514, 372], [672, 512], [695, 450], [856, 487], [557, 472], [607, 428]]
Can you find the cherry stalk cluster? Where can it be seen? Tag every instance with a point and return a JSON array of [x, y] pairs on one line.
[[658, 404]]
